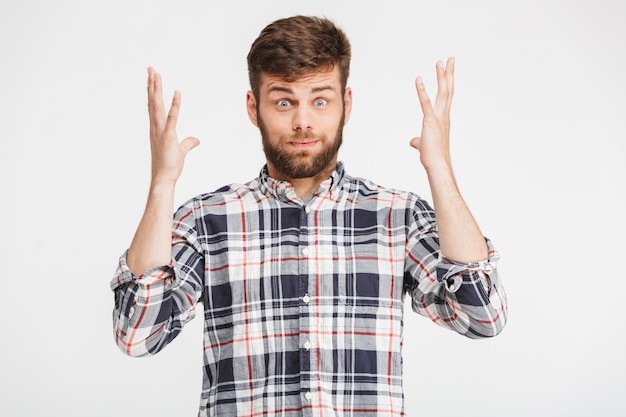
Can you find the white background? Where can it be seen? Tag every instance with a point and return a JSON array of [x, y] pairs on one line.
[[538, 148]]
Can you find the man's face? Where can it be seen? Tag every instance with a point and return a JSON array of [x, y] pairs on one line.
[[301, 123]]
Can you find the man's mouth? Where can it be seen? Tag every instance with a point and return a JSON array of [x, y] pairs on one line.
[[303, 144]]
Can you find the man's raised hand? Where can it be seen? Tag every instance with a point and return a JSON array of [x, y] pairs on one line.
[[168, 155], [434, 142]]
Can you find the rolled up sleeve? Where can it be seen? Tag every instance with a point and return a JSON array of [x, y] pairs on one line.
[[465, 297]]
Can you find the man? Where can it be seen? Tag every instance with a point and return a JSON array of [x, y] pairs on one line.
[[303, 270]]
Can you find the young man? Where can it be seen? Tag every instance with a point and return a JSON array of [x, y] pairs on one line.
[[303, 270]]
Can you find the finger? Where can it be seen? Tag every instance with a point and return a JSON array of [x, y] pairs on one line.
[[188, 144], [155, 102], [449, 73], [172, 115], [442, 87], [150, 88], [415, 142], [427, 107]]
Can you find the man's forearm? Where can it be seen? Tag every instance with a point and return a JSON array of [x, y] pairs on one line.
[[151, 245], [460, 237]]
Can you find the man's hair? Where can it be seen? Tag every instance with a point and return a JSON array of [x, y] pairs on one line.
[[297, 46]]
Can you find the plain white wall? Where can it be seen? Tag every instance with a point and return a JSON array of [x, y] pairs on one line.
[[538, 148]]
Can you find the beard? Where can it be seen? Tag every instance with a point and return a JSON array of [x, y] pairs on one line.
[[301, 164]]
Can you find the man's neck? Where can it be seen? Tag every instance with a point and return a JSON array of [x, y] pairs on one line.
[[303, 187]]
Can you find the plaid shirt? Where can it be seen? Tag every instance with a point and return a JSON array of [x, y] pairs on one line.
[[303, 302]]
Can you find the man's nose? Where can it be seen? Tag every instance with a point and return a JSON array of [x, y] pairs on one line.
[[302, 119]]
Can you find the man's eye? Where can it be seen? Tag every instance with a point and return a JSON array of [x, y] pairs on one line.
[[320, 102], [284, 103]]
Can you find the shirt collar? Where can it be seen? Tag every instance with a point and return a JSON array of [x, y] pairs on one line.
[[284, 191]]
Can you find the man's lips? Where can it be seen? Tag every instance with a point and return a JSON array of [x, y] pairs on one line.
[[303, 144]]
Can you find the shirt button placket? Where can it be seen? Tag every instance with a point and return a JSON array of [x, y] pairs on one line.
[[305, 328], [305, 354]]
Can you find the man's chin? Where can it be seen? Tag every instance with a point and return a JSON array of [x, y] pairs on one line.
[[302, 168], [302, 171], [293, 163]]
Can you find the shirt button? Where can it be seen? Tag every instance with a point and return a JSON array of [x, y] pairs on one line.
[[307, 209], [307, 345], [305, 251], [306, 298], [308, 395]]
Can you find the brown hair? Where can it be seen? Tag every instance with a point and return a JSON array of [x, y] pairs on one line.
[[296, 46]]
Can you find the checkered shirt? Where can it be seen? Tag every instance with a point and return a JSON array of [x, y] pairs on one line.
[[303, 302]]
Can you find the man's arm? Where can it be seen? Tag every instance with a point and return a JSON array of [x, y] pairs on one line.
[[466, 278], [147, 314], [151, 245], [460, 237]]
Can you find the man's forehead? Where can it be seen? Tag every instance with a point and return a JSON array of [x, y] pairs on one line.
[[312, 80]]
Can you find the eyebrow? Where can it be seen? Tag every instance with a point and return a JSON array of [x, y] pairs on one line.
[[313, 90]]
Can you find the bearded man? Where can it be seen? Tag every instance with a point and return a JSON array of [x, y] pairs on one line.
[[302, 272]]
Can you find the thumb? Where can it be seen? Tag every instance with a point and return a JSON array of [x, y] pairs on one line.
[[189, 143], [415, 142]]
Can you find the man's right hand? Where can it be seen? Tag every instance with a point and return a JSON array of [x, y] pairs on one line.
[[168, 155]]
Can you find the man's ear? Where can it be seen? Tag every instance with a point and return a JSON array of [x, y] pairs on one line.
[[347, 104], [251, 107]]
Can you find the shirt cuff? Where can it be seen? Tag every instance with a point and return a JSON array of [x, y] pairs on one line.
[[123, 275], [450, 273]]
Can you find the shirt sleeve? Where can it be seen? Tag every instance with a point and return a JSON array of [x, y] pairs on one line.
[[151, 310], [465, 297]]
